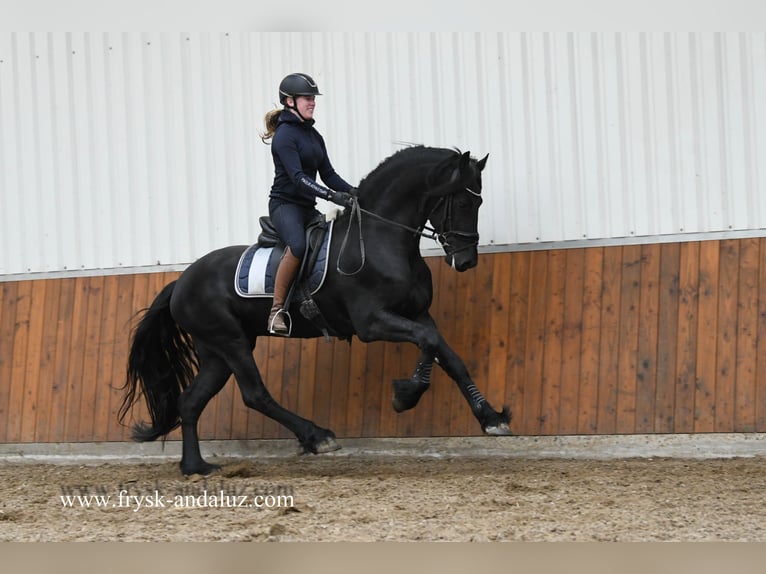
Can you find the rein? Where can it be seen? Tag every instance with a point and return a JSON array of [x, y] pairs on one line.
[[423, 231]]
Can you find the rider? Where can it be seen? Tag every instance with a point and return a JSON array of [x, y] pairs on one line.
[[299, 152]]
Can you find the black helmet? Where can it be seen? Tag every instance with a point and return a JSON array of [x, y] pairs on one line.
[[297, 85]]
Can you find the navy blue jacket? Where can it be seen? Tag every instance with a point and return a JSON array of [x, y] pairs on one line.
[[299, 153]]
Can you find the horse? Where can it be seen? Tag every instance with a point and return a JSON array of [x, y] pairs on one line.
[[198, 331]]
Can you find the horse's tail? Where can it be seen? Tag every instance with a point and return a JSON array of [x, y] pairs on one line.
[[161, 364]]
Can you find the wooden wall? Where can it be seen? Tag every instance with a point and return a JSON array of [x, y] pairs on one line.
[[663, 338]]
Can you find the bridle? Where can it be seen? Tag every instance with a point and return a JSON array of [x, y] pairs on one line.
[[443, 238], [422, 231]]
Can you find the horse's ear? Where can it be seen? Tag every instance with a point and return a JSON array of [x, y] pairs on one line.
[[462, 163], [482, 162]]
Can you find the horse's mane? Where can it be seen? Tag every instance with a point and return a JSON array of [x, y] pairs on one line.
[[414, 156]]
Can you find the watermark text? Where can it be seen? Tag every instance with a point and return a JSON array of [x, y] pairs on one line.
[[200, 495]]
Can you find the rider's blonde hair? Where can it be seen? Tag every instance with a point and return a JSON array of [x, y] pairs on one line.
[[271, 119]]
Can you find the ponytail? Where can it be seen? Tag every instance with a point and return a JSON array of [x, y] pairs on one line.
[[271, 119]]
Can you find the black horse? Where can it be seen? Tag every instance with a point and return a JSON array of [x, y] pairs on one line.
[[198, 330]]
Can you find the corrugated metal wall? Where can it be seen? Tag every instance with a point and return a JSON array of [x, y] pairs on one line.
[[126, 150]]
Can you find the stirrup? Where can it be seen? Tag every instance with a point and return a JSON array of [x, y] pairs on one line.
[[288, 324]]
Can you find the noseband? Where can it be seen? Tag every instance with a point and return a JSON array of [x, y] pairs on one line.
[[471, 238]]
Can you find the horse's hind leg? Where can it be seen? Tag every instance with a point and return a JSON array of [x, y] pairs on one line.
[[212, 376], [256, 396]]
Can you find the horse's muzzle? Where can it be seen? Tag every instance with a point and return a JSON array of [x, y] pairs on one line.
[[464, 257], [462, 260]]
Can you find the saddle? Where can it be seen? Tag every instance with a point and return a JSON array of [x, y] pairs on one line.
[[258, 264], [315, 234]]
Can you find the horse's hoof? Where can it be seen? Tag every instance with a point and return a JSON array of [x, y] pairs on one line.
[[327, 445], [203, 468], [503, 429], [407, 393]]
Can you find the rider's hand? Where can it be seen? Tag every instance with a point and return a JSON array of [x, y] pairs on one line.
[[341, 198]]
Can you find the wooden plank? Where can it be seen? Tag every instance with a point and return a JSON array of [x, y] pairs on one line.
[[667, 339], [760, 379], [728, 291], [422, 415], [290, 376], [116, 330], [104, 365], [572, 341], [648, 333], [535, 344], [550, 405], [157, 282], [459, 329], [407, 422], [240, 423], [443, 313], [707, 337], [140, 299], [88, 383], [33, 382], [224, 404], [430, 406], [499, 344], [747, 343], [272, 377], [339, 403], [610, 340], [19, 368], [323, 384], [47, 357], [517, 337], [122, 330], [77, 359], [587, 400], [373, 387], [477, 336], [392, 368], [630, 310], [356, 386], [60, 388], [8, 305], [255, 420], [686, 360]]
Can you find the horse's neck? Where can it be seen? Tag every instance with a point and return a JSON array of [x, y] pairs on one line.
[[401, 203]]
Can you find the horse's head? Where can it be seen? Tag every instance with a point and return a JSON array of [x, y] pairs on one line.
[[454, 197]]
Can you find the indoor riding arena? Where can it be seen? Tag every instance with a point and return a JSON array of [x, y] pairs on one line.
[[618, 307]]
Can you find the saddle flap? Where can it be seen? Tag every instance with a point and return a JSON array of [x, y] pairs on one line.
[[258, 264]]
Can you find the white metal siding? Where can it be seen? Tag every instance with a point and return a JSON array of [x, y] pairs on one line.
[[126, 150]]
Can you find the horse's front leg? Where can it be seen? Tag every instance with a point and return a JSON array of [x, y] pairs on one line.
[[407, 392], [492, 422], [390, 327]]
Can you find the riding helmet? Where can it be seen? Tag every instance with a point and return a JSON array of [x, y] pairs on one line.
[[297, 85]]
